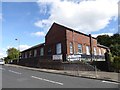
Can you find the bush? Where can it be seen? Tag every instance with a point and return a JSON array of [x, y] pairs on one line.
[[116, 63]]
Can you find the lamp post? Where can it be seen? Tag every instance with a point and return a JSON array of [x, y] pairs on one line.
[[18, 49]]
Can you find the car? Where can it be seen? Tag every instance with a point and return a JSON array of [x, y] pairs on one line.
[[2, 62]]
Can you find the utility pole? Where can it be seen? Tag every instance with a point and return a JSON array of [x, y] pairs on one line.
[[18, 49]]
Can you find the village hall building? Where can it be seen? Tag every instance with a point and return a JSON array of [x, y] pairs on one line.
[[65, 44]]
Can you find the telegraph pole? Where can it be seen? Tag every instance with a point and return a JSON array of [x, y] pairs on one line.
[[18, 49]]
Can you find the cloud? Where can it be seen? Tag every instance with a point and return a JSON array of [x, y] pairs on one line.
[[3, 53], [23, 47], [85, 16], [39, 34], [95, 35], [20, 47]]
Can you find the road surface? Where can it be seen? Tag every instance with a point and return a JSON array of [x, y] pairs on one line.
[[22, 78]]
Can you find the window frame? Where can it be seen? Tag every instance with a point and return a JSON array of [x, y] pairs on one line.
[[88, 50], [35, 52], [80, 48], [42, 51], [71, 48], [58, 48]]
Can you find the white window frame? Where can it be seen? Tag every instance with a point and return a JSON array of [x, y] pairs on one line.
[[71, 48], [80, 48], [30, 53], [88, 50], [100, 53], [58, 48], [94, 51], [25, 54], [35, 53], [42, 51]]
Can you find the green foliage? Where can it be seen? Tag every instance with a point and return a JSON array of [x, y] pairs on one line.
[[116, 62], [113, 42], [115, 49], [104, 40], [12, 54]]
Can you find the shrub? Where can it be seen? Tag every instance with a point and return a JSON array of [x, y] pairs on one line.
[[116, 62]]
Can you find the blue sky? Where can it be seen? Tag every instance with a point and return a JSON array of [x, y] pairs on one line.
[[30, 21]]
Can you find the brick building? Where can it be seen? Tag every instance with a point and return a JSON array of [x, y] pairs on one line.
[[64, 44]]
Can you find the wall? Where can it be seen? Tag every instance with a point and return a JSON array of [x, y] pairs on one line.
[[55, 35], [78, 38]]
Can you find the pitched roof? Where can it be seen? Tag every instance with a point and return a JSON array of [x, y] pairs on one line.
[[38, 45], [102, 46], [69, 29]]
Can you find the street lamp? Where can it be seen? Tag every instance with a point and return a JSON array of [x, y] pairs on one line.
[[18, 49]]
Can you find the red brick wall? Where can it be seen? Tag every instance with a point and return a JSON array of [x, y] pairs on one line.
[[55, 35], [79, 39]]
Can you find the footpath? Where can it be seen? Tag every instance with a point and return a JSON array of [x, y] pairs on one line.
[[100, 75]]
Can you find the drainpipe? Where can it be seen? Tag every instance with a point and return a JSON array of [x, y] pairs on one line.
[[73, 43], [90, 46]]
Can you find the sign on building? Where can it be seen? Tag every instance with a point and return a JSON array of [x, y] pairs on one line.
[[74, 57], [57, 57]]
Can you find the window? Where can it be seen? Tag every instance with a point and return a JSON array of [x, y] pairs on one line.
[[71, 48], [25, 54], [99, 51], [41, 51], [35, 53], [49, 51], [30, 53], [104, 51], [94, 51], [22, 55], [87, 50], [58, 48], [79, 48]]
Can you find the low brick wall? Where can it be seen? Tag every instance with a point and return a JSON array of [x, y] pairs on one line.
[[55, 64], [102, 65], [48, 63]]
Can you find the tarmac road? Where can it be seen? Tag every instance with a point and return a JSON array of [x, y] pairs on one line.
[[22, 78]]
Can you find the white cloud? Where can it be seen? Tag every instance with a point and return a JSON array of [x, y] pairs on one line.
[[95, 35], [23, 47], [84, 16], [3, 53], [39, 34], [20, 47]]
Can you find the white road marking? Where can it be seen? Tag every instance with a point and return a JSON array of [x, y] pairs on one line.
[[14, 72], [47, 80], [2, 68], [109, 82]]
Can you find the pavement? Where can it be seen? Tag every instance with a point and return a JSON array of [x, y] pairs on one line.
[[14, 76], [99, 75]]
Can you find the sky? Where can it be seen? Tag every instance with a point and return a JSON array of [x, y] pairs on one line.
[[28, 22]]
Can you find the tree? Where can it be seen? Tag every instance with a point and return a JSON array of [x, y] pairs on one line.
[[115, 49], [104, 40], [113, 42], [12, 53]]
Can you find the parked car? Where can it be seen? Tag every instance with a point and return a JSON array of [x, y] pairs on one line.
[[2, 62]]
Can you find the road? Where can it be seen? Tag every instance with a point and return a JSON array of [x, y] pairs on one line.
[[22, 78]]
